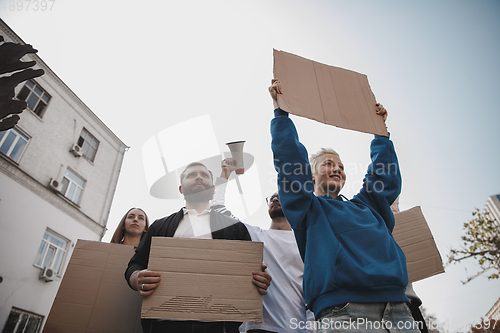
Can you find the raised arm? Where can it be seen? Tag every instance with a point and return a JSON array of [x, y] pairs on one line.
[[382, 183], [218, 202], [295, 184]]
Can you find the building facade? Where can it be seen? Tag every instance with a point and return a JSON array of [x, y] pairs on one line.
[[493, 207], [59, 167], [494, 312]]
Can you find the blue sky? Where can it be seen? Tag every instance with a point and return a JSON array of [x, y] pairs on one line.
[[143, 67]]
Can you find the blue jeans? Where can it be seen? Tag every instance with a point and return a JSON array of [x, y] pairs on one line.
[[368, 317]]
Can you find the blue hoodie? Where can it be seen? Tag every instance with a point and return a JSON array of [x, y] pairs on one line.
[[347, 246]]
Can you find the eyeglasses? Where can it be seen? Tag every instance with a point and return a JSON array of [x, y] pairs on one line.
[[273, 197]]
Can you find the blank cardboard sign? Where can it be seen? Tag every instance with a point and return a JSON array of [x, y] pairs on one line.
[[93, 296], [328, 94], [204, 279], [414, 237]]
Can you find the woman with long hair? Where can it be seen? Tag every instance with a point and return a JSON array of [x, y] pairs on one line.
[[131, 227]]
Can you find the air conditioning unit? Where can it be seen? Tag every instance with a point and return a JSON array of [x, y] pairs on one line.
[[47, 274], [55, 185], [76, 150]]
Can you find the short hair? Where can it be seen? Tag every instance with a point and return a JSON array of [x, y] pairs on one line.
[[313, 160], [183, 173]]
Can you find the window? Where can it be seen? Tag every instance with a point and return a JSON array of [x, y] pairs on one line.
[[21, 321], [89, 144], [72, 186], [12, 143], [35, 96], [51, 251]]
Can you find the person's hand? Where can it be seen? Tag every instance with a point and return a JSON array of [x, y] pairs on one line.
[[11, 54], [9, 83], [381, 111], [10, 61], [274, 90], [262, 280], [8, 105], [228, 165], [8, 123], [147, 281]]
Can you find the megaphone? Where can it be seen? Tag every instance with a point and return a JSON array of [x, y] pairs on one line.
[[236, 149]]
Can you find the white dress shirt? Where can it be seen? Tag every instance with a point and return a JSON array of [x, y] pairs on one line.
[[194, 225]]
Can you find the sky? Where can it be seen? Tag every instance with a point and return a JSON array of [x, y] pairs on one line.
[[146, 67]]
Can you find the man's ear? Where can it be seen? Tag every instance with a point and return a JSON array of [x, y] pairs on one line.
[[180, 188]]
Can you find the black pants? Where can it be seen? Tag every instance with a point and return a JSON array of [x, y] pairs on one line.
[[167, 326]]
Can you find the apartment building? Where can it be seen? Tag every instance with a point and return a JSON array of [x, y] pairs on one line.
[[493, 207], [59, 167]]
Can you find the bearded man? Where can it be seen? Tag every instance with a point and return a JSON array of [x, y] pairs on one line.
[[195, 220]]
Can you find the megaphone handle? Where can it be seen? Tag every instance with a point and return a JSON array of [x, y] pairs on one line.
[[238, 184], [241, 194]]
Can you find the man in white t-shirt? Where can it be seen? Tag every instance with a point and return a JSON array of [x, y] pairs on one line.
[[284, 308]]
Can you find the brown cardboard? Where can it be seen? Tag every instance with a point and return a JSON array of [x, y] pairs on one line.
[[328, 94], [415, 239], [204, 279], [93, 296]]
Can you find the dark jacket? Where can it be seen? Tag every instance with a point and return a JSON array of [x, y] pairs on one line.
[[224, 226]]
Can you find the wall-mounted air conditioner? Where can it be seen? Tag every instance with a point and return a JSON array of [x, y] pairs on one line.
[[55, 185], [76, 150], [47, 274]]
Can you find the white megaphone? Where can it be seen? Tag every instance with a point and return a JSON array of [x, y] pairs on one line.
[[236, 149]]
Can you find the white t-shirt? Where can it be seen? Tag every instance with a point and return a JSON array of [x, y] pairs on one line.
[[284, 307]]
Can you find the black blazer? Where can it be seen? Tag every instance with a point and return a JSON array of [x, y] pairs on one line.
[[224, 226]]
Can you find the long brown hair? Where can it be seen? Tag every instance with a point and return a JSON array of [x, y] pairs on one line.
[[120, 229]]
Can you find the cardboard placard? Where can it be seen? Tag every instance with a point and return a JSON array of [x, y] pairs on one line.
[[328, 94], [93, 296], [204, 279], [414, 237]]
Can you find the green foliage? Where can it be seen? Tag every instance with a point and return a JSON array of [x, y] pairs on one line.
[[481, 242]]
